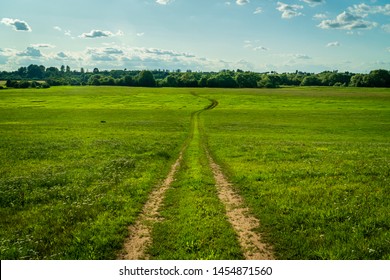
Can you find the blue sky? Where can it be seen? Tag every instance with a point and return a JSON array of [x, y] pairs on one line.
[[210, 35]]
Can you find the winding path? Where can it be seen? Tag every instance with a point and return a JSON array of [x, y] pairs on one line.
[[238, 215]]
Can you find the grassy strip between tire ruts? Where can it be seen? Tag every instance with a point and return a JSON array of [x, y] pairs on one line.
[[194, 223]]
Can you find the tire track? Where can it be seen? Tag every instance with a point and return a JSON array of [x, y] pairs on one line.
[[238, 215], [140, 233], [240, 218]]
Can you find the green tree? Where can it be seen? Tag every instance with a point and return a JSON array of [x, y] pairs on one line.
[[128, 81], [311, 80], [35, 71], [223, 79], [246, 79], [22, 71], [170, 81], [378, 78], [268, 81], [188, 80], [146, 79], [357, 81], [94, 80]]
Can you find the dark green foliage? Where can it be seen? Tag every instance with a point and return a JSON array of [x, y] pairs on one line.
[[311, 81], [247, 79], [222, 79], [26, 84], [146, 79]]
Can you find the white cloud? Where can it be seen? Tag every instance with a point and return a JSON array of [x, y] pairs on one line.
[[242, 2], [164, 2], [333, 44], [31, 52], [258, 11], [301, 56], [62, 55], [260, 48], [320, 16], [289, 11], [49, 46], [347, 21], [250, 45], [113, 50], [313, 2], [386, 28], [57, 28], [140, 34], [17, 24], [364, 9], [5, 55], [100, 34]]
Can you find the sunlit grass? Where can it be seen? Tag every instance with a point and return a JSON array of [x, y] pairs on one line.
[[77, 164], [313, 164], [194, 225]]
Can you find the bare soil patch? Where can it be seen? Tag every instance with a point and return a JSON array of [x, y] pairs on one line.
[[242, 221], [140, 233]]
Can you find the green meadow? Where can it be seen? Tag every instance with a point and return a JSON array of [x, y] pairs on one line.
[[313, 165], [77, 165]]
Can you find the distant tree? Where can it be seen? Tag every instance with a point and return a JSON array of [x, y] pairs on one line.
[[52, 72], [35, 71], [95, 70], [67, 69], [311, 80], [128, 81], [108, 81], [146, 79], [187, 80], [212, 82], [9, 84], [22, 71], [62, 68], [357, 81], [246, 80], [94, 80], [82, 70], [225, 80], [202, 81], [170, 81], [378, 78], [268, 81], [24, 84]]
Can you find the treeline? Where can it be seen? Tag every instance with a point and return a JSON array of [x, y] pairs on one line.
[[39, 76]]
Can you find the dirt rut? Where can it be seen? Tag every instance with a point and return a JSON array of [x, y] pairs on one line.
[[242, 221], [238, 215], [140, 232]]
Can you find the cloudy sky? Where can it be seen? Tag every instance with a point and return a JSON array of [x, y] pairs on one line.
[[256, 35]]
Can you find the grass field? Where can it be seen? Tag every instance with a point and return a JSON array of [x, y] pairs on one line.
[[77, 165], [313, 165]]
